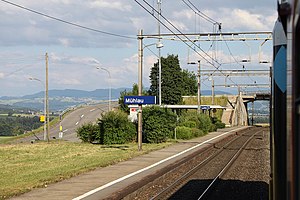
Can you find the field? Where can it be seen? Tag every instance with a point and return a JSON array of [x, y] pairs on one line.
[[3, 139], [27, 166]]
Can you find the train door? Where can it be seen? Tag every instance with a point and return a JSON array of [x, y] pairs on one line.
[[296, 91]]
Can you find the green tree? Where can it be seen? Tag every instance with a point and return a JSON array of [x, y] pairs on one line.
[[175, 81], [189, 83]]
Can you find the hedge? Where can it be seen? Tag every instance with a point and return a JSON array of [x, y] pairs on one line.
[[158, 124]]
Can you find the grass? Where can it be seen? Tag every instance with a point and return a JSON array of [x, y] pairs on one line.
[[4, 139], [27, 166]]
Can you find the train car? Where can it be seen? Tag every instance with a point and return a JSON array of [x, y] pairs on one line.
[[285, 130]]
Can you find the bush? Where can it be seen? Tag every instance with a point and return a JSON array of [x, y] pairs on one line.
[[115, 128], [197, 132], [217, 123], [89, 132], [184, 133], [190, 124], [194, 120], [158, 124], [187, 133], [204, 123], [220, 124]]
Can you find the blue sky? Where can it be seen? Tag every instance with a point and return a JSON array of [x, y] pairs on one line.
[[74, 53]]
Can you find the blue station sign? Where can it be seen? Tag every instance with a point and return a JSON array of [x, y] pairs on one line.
[[139, 99], [204, 107]]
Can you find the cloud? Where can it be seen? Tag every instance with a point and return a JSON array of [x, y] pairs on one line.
[[116, 5], [75, 52]]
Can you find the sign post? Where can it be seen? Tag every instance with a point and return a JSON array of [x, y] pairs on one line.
[[140, 100]]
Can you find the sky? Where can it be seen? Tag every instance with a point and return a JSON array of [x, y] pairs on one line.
[[81, 38]]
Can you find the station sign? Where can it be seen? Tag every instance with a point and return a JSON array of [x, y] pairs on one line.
[[140, 100], [204, 107]]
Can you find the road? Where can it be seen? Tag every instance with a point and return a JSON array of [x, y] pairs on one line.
[[77, 118], [72, 120]]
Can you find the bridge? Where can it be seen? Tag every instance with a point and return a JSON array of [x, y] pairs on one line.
[[236, 112]]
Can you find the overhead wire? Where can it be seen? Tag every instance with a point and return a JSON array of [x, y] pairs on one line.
[[199, 13], [236, 61], [187, 38], [67, 22], [214, 22], [19, 69], [175, 29]]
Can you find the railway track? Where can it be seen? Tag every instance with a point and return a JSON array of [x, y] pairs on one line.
[[202, 178]]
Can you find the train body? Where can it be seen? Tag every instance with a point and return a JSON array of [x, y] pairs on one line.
[[285, 110]]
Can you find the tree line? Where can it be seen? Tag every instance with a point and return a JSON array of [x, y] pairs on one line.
[[17, 125]]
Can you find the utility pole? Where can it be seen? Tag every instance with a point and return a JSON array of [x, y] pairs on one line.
[[212, 92], [199, 88], [47, 98], [140, 78], [159, 52]]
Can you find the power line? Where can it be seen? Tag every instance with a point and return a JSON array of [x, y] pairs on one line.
[[177, 35], [182, 34], [199, 13], [67, 22], [214, 22]]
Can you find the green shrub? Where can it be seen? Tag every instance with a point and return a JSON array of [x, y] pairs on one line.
[[190, 124], [204, 123], [158, 124], [220, 124], [197, 132], [217, 123], [115, 128], [194, 120], [213, 128], [184, 133], [89, 132]]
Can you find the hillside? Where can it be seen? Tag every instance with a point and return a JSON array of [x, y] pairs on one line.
[[62, 99]]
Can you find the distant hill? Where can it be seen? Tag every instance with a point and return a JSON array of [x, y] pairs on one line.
[[98, 94], [63, 99]]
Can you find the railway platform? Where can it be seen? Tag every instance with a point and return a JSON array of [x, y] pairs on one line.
[[112, 181]]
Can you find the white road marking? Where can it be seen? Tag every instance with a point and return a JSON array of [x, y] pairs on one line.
[[93, 110], [77, 123], [82, 116], [149, 167]]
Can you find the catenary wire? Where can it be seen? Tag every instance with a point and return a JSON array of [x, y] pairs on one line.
[[199, 13], [189, 45], [214, 22]]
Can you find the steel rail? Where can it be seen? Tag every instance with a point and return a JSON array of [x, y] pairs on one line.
[[227, 166], [170, 189]]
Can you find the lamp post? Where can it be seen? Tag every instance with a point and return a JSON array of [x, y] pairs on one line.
[[45, 112], [199, 85], [159, 52], [140, 79], [212, 90], [109, 91]]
